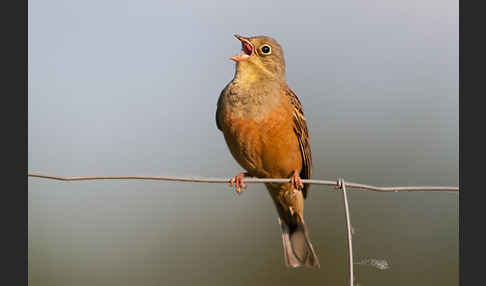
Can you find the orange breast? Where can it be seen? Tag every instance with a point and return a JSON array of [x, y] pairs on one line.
[[267, 148]]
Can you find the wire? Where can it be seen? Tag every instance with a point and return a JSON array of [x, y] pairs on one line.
[[254, 180]]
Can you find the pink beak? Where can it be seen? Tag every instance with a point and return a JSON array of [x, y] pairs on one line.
[[246, 49]]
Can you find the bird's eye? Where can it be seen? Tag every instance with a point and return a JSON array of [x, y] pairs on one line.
[[266, 50]]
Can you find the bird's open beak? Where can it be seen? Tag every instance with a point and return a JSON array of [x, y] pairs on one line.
[[246, 49]]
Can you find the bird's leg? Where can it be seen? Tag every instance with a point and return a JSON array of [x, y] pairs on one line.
[[237, 182], [296, 182]]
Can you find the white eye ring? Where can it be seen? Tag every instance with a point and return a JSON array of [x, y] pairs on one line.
[[266, 49]]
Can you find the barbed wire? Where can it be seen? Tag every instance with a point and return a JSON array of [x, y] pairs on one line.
[[339, 184]]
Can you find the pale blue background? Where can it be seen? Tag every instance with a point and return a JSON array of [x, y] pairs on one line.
[[130, 88]]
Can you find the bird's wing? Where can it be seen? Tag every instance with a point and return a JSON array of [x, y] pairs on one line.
[[300, 129], [218, 109]]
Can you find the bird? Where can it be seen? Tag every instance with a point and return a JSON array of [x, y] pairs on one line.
[[263, 124]]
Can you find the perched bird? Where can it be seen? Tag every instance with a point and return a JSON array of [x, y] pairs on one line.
[[266, 131]]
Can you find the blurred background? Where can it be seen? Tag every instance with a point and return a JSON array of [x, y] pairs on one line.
[[130, 88]]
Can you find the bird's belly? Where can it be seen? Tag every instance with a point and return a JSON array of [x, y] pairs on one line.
[[243, 139], [267, 148]]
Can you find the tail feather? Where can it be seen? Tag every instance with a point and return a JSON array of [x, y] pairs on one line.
[[298, 250]]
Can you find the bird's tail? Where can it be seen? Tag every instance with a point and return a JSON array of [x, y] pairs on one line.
[[298, 250]]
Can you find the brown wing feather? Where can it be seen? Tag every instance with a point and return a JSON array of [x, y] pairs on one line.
[[218, 109], [300, 129]]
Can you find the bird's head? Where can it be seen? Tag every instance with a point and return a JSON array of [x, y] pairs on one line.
[[261, 57]]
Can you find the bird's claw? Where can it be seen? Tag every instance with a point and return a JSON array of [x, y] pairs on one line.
[[296, 182], [237, 182]]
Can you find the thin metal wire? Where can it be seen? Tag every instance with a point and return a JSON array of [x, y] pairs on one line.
[[253, 180], [342, 185]]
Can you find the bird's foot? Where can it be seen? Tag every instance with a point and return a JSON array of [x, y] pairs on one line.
[[296, 182], [237, 182]]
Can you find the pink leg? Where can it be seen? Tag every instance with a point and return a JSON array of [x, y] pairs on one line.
[[296, 182], [237, 182]]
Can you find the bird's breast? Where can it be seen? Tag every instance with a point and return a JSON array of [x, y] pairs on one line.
[[261, 139], [253, 102]]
